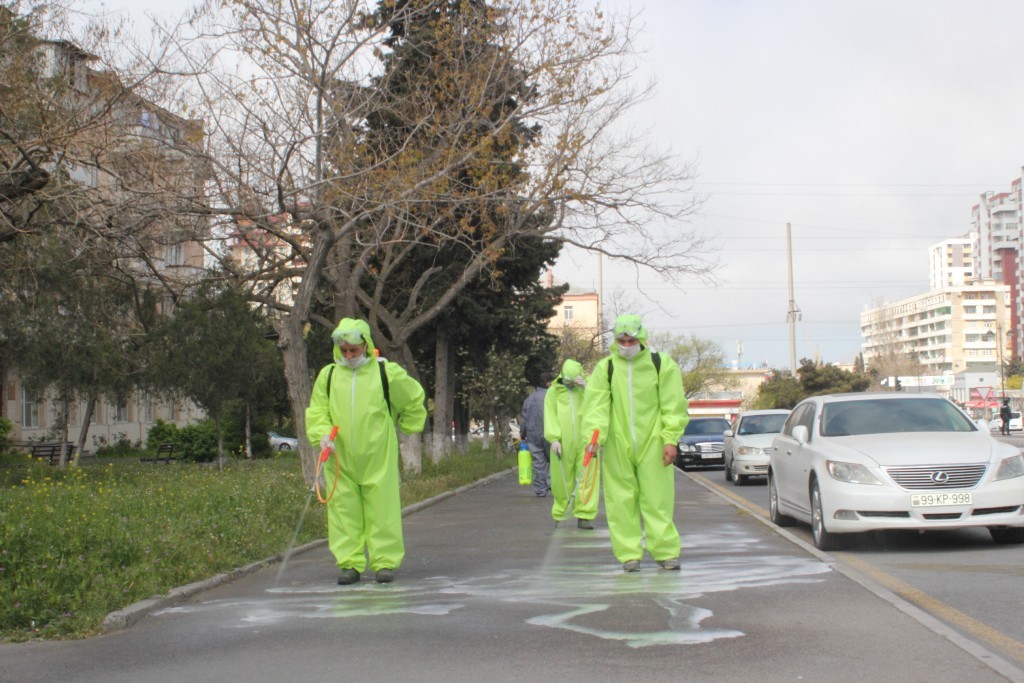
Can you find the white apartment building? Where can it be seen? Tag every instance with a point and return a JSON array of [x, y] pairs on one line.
[[945, 330], [951, 262], [997, 225]]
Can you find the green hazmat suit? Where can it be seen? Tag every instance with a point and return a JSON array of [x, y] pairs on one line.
[[563, 418], [637, 414], [365, 513]]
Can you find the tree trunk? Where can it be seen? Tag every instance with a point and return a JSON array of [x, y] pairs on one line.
[[220, 444], [293, 347], [65, 407], [248, 432], [90, 406], [411, 447], [441, 440]]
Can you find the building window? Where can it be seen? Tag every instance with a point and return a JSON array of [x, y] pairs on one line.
[[29, 409], [121, 411], [568, 313]]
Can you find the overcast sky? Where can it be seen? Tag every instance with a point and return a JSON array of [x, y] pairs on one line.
[[870, 126]]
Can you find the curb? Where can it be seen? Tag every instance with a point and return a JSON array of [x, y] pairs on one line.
[[123, 618]]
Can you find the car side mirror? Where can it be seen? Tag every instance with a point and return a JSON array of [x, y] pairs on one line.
[[801, 434], [727, 432]]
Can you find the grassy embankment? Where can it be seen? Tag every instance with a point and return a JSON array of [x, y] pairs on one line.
[[79, 543]]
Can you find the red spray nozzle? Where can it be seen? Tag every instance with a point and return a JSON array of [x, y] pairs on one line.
[[327, 451]]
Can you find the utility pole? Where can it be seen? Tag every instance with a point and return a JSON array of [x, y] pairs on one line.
[[794, 312]]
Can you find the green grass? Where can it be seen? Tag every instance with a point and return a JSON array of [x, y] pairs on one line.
[[79, 543]]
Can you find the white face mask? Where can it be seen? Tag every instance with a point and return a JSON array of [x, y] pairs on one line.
[[629, 351], [357, 362]]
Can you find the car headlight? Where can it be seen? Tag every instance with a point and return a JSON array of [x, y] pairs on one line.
[[1011, 467], [851, 473], [749, 450]]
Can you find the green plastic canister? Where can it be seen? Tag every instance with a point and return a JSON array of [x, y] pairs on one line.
[[525, 464]]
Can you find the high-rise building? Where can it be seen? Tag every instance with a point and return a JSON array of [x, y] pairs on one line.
[[997, 228], [951, 262]]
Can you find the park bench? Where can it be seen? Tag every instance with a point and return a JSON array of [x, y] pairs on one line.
[[50, 452], [164, 453]]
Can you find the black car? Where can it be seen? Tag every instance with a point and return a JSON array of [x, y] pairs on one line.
[[703, 443]]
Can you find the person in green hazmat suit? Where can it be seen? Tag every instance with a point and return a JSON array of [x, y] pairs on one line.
[[365, 398], [635, 399], [563, 416]]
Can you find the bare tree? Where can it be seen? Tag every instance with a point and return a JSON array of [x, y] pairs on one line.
[[285, 89]]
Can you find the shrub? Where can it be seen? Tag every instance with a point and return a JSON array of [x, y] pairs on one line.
[[6, 427]]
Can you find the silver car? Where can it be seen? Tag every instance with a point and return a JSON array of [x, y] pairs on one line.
[[282, 443], [748, 443], [846, 463]]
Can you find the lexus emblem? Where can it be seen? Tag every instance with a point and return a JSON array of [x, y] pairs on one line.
[[940, 477]]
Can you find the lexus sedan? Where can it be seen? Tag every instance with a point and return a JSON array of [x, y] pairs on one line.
[[748, 444], [847, 463], [282, 443], [701, 442]]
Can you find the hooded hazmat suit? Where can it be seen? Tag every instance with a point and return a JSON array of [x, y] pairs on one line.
[[563, 417], [365, 512], [638, 413]]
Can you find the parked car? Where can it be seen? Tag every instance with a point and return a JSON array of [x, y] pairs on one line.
[[701, 443], [847, 463], [1016, 424], [283, 443], [748, 444]]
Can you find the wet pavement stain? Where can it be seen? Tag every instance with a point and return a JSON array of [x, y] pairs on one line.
[[574, 583]]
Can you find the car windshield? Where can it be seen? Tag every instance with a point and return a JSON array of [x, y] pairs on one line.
[[714, 426], [762, 424], [885, 416]]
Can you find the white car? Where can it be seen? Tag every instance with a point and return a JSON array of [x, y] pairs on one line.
[[748, 443], [847, 463], [283, 443]]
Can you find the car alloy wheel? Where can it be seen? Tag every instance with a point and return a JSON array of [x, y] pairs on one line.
[[823, 539], [728, 470], [778, 518], [737, 478], [284, 447]]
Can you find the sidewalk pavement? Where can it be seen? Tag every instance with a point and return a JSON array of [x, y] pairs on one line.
[[492, 590]]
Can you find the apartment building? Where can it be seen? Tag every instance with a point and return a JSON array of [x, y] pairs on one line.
[[997, 228], [947, 330], [578, 313], [122, 142], [951, 262]]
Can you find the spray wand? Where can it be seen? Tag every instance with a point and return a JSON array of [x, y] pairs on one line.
[[588, 477], [324, 454]]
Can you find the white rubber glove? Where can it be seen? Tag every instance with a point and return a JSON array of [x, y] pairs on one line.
[[326, 442], [556, 448]]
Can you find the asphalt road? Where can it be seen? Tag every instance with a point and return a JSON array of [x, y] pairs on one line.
[[960, 577], [492, 591]]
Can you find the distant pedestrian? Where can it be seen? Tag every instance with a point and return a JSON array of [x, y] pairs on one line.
[[636, 400], [1005, 414], [563, 417], [531, 430], [366, 399]]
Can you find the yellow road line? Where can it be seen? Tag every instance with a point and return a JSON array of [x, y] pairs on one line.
[[938, 609], [918, 598]]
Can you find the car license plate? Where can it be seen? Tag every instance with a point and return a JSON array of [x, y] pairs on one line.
[[710, 456], [927, 500]]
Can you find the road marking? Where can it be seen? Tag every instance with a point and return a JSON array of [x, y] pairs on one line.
[[951, 615], [977, 630]]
